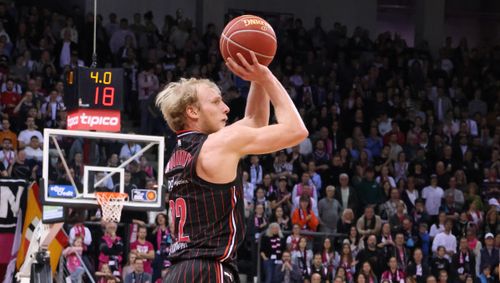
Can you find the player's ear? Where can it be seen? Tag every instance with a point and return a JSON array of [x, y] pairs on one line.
[[192, 111]]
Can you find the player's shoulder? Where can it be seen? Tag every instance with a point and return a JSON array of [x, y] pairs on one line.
[[230, 135]]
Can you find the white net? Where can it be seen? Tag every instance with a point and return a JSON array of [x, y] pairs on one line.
[[111, 205]]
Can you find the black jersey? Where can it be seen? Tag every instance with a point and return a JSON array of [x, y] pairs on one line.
[[209, 218]]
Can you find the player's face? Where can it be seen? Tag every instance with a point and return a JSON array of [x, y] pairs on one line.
[[213, 111]]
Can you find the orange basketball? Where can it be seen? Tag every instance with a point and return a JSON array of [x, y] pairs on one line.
[[248, 33]]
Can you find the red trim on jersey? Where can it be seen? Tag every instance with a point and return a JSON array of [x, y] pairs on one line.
[[232, 233], [217, 272], [183, 131]]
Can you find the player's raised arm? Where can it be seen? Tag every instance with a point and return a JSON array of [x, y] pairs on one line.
[[290, 129], [257, 108]]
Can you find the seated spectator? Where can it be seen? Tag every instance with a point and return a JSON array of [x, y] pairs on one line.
[[399, 217], [440, 262], [346, 221], [317, 267], [369, 223], [418, 269], [24, 137], [424, 240], [7, 133], [419, 215], [458, 195], [347, 262], [489, 255], [302, 259], [139, 275], [104, 275], [248, 193], [33, 150], [21, 169], [449, 207], [7, 154], [475, 215], [386, 241], [304, 215], [130, 149], [272, 247], [305, 186], [73, 263], [486, 275], [329, 257], [356, 242], [410, 194], [372, 255], [463, 263], [394, 274], [261, 199], [400, 252], [143, 249], [286, 271], [129, 266]]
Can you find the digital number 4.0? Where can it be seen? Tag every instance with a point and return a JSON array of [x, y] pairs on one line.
[[178, 210], [108, 96]]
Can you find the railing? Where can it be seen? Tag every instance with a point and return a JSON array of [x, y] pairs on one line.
[[286, 233]]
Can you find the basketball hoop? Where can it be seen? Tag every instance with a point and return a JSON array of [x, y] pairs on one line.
[[111, 205]]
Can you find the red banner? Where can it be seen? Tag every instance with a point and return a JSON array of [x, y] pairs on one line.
[[94, 120]]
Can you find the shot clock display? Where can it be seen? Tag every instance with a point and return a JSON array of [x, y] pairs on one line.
[[95, 89]]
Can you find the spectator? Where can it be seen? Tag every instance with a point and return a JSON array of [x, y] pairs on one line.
[[489, 255], [148, 85], [73, 263], [389, 208], [9, 98], [33, 150], [7, 155], [394, 274], [440, 262], [302, 258], [446, 239], [129, 267], [139, 275], [272, 247], [433, 195], [317, 267], [111, 250], [286, 271], [329, 257], [367, 271], [281, 197], [346, 195], [7, 133], [329, 211], [463, 262], [163, 237], [304, 215], [130, 149], [282, 219], [418, 269], [347, 262], [371, 254], [369, 191], [292, 241], [369, 223], [346, 221], [144, 250], [24, 136]]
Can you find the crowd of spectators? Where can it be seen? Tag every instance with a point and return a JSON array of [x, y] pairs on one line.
[[400, 172]]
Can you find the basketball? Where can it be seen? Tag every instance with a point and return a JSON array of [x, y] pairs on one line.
[[248, 33]]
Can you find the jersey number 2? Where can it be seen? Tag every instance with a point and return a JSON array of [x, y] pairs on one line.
[[178, 208]]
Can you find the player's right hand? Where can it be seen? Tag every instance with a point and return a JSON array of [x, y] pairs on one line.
[[254, 72]]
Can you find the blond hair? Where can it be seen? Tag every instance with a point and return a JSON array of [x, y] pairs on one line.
[[176, 97]]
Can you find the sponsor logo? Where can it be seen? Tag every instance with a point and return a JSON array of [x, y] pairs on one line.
[[62, 191], [261, 23], [144, 195], [91, 119]]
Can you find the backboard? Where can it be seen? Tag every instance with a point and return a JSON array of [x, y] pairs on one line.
[[76, 164]]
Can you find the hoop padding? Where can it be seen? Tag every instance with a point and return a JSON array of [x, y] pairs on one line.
[[111, 204]]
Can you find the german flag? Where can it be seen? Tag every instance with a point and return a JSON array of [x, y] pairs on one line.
[[31, 220]]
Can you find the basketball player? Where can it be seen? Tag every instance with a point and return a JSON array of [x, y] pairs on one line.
[[204, 180]]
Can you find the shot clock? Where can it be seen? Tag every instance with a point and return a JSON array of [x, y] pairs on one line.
[[93, 98], [95, 89]]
